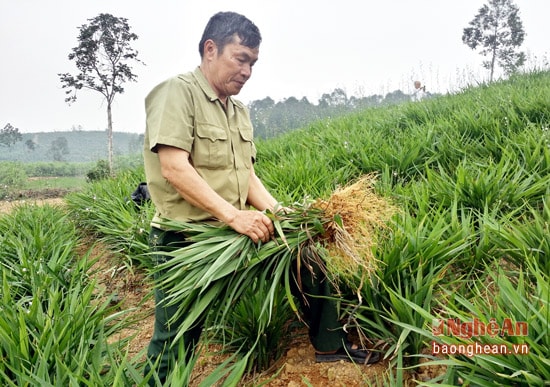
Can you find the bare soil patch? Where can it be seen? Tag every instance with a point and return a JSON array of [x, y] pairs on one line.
[[37, 194]]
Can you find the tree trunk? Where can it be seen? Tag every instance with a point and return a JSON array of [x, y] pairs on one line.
[[493, 61], [110, 137], [494, 53]]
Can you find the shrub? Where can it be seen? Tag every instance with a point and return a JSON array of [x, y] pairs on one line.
[[99, 172], [12, 175]]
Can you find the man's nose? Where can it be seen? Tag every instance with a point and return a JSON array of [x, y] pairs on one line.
[[246, 70]]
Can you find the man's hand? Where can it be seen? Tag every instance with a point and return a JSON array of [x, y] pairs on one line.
[[254, 224], [179, 172]]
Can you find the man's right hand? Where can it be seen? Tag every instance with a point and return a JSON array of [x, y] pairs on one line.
[[254, 224]]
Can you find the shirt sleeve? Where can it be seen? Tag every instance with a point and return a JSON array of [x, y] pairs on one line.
[[170, 115]]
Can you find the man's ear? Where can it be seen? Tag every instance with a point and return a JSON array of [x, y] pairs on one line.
[[210, 48]]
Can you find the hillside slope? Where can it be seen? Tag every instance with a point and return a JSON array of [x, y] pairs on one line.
[[82, 146]]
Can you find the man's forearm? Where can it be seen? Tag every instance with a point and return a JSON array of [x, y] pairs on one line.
[[258, 196], [177, 170]]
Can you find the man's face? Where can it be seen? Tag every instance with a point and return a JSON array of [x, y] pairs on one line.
[[230, 70]]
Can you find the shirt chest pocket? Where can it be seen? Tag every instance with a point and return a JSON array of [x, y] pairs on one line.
[[211, 147], [247, 146]]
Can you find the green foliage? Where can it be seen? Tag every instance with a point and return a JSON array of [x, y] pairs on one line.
[[250, 331], [15, 178], [215, 275], [104, 208], [479, 125], [527, 236], [519, 296], [415, 257], [12, 175], [57, 184], [9, 135], [51, 169], [470, 174], [222, 264], [54, 328], [483, 184], [59, 148], [25, 249], [497, 31], [99, 172], [272, 119], [131, 162], [30, 144]]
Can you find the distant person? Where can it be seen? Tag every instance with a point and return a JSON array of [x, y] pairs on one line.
[[199, 160], [419, 91]]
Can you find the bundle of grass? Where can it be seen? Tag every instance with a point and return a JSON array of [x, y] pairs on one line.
[[210, 275], [357, 215]]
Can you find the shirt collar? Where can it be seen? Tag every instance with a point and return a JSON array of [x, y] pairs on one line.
[[210, 93], [205, 86]]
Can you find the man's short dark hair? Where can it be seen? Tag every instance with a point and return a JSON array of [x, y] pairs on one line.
[[223, 26]]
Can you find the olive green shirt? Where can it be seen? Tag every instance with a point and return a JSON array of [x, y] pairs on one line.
[[184, 112]]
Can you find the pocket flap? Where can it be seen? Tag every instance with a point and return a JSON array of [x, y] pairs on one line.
[[211, 132]]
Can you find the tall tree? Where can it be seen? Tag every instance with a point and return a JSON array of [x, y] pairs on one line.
[[497, 31], [102, 57], [9, 135], [260, 112], [58, 148], [31, 145]]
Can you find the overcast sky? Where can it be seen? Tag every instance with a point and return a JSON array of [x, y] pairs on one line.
[[309, 47]]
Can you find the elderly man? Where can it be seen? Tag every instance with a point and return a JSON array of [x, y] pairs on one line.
[[199, 163]]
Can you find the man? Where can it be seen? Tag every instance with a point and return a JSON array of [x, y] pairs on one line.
[[199, 164], [419, 91]]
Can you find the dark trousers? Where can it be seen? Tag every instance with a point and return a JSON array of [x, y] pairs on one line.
[[161, 351], [325, 330], [320, 313]]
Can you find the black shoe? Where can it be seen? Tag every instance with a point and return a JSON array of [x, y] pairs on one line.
[[347, 353]]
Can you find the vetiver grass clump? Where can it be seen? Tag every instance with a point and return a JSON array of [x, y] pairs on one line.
[[105, 209], [470, 175], [54, 328]]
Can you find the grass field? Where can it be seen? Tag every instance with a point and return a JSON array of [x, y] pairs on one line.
[[470, 176], [71, 183]]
